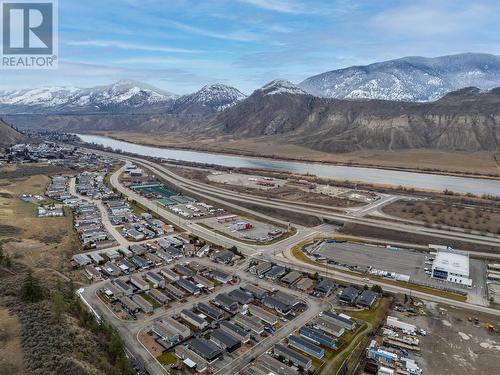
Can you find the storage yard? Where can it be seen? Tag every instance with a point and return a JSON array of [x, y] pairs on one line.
[[403, 262]]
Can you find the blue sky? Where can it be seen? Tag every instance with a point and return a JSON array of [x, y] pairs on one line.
[[181, 45]]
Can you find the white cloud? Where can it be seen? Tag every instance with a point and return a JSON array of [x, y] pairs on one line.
[[282, 6], [236, 36], [129, 46]]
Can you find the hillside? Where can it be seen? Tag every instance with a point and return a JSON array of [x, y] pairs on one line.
[[465, 120], [8, 135], [408, 78]]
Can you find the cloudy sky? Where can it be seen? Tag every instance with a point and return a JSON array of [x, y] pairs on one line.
[[181, 45]]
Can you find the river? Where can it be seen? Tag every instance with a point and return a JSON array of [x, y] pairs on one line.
[[361, 174]]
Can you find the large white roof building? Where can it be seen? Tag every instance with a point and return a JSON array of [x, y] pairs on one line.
[[453, 266]]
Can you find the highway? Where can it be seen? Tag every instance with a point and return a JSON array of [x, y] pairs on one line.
[[227, 197]]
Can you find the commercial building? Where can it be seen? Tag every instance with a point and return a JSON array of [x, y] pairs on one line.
[[263, 315], [291, 355], [249, 323], [194, 319], [206, 349], [224, 340], [453, 266], [235, 331], [318, 337], [211, 312], [306, 346]]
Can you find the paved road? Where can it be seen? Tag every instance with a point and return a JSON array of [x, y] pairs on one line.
[[223, 195], [130, 329]]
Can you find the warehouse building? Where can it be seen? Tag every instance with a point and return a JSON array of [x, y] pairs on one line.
[[208, 350], [194, 319], [306, 347], [235, 331], [318, 337], [224, 340], [297, 359], [452, 266]]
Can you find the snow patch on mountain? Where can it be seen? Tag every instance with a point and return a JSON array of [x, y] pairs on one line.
[[408, 79], [281, 87]]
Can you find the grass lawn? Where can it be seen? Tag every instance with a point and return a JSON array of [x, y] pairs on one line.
[[151, 300], [167, 358]]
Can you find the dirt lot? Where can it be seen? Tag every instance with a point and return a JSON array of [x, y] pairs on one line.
[[442, 213], [454, 345], [36, 242], [11, 354]]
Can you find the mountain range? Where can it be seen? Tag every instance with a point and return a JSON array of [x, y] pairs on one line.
[[466, 119]]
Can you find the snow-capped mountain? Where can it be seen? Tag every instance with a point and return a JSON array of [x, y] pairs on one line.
[[281, 87], [409, 78], [120, 97], [123, 95], [210, 99]]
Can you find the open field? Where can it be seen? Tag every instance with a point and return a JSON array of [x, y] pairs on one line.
[[36, 242], [442, 213], [418, 239], [11, 354], [428, 160]]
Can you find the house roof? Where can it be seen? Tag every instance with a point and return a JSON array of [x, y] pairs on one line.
[[205, 348]]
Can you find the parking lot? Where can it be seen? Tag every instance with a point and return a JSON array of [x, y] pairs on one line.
[[402, 261], [259, 232]]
